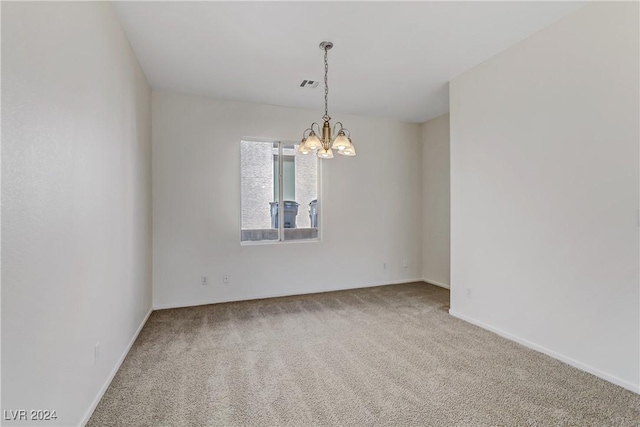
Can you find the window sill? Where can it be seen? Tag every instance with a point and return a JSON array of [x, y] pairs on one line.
[[269, 236]]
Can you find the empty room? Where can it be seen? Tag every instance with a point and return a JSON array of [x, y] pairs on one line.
[[320, 213]]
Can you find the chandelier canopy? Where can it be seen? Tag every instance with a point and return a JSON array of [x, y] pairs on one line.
[[326, 144]]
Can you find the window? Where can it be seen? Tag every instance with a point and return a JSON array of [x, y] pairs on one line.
[[275, 183]]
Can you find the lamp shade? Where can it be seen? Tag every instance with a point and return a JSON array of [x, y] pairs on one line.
[[302, 148], [313, 143], [325, 154], [349, 151], [341, 142]]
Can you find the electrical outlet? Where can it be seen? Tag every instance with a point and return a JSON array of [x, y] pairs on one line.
[[205, 281], [384, 265], [225, 279], [96, 353], [468, 292], [405, 263]]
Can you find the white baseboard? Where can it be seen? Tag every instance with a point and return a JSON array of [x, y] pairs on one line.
[[105, 386], [278, 295], [433, 282], [576, 364]]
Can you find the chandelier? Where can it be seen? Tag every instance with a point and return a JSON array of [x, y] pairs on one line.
[[327, 144]]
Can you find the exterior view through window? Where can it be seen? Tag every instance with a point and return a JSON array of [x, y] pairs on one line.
[[276, 184]]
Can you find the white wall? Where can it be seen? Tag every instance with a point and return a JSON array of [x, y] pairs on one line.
[[544, 191], [371, 205], [76, 203], [435, 201]]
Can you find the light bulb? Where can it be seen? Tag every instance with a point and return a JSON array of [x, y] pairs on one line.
[[313, 142], [302, 148], [325, 154], [349, 151], [341, 142]]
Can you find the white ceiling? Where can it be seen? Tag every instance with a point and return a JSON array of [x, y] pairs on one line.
[[390, 59]]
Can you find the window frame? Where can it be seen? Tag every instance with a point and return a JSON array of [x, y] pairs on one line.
[[281, 144]]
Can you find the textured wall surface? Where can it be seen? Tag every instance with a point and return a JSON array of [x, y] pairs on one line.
[[370, 205], [76, 204], [436, 202], [256, 183], [306, 186], [545, 192]]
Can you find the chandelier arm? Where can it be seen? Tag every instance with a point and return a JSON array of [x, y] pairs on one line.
[[318, 126], [304, 133], [334, 127]]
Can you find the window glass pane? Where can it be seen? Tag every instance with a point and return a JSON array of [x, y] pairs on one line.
[[289, 187], [259, 196], [300, 191]]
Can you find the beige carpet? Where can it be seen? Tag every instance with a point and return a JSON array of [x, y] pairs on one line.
[[390, 355]]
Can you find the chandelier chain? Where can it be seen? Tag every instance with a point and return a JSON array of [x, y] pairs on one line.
[[326, 85]]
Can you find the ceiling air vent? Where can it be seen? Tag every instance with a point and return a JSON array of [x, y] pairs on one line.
[[309, 83]]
